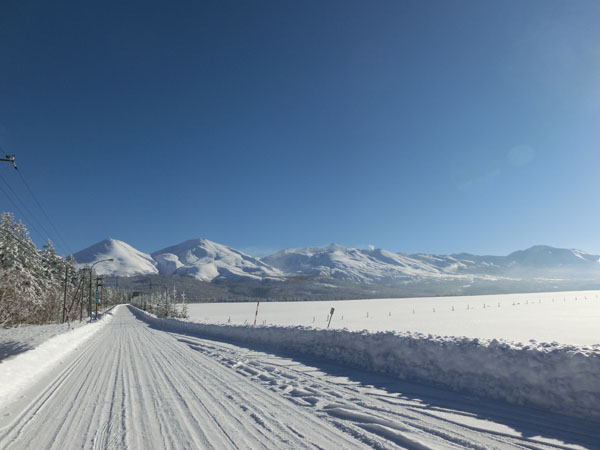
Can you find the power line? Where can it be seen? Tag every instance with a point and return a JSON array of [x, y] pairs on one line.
[[44, 211], [32, 219], [23, 215], [62, 242]]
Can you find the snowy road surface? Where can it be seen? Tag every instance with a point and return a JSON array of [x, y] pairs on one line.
[[137, 387]]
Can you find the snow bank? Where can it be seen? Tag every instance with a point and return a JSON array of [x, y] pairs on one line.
[[560, 378], [25, 337], [21, 371]]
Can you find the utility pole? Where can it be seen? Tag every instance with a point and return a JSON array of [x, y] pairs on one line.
[[91, 274], [65, 297], [98, 283], [82, 294], [10, 159], [90, 296]]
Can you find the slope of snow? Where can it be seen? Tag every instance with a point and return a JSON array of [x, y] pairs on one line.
[[206, 260], [351, 264], [560, 378], [127, 260]]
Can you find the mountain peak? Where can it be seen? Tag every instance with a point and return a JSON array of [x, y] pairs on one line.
[[127, 261], [207, 260]]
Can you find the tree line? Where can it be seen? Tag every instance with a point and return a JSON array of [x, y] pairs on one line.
[[37, 286]]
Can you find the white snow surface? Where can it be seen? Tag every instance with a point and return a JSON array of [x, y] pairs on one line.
[[206, 260], [25, 337], [144, 382], [563, 317], [541, 349], [128, 261], [21, 371]]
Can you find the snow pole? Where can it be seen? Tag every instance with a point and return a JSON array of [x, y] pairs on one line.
[[330, 316], [256, 314]]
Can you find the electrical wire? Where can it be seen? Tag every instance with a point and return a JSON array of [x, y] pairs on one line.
[[62, 242], [44, 212], [29, 217], [23, 215]]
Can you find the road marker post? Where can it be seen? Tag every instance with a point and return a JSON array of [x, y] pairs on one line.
[[330, 316], [256, 314]]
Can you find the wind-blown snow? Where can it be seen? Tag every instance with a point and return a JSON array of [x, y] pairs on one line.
[[128, 261], [556, 377]]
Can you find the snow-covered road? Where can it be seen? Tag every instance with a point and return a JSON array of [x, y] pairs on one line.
[[138, 387]]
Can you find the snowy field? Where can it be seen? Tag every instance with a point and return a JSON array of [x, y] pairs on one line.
[[562, 317]]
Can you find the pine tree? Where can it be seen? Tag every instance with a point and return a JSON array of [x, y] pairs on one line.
[[21, 284], [31, 281]]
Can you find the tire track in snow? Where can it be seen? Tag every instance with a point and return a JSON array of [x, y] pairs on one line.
[[137, 387], [408, 425]]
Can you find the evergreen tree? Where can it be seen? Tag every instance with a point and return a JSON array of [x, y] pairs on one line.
[[31, 281]]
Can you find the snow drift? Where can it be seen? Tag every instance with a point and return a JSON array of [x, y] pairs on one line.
[[561, 378]]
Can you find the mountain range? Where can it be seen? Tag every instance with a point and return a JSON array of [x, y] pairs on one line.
[[209, 261]]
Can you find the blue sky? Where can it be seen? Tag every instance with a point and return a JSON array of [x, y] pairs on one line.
[[416, 126]]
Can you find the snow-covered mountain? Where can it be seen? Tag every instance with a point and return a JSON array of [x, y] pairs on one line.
[[539, 260], [378, 265], [545, 256], [351, 264], [206, 260], [127, 260]]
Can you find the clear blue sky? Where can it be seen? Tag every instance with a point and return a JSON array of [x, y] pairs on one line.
[[429, 126]]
